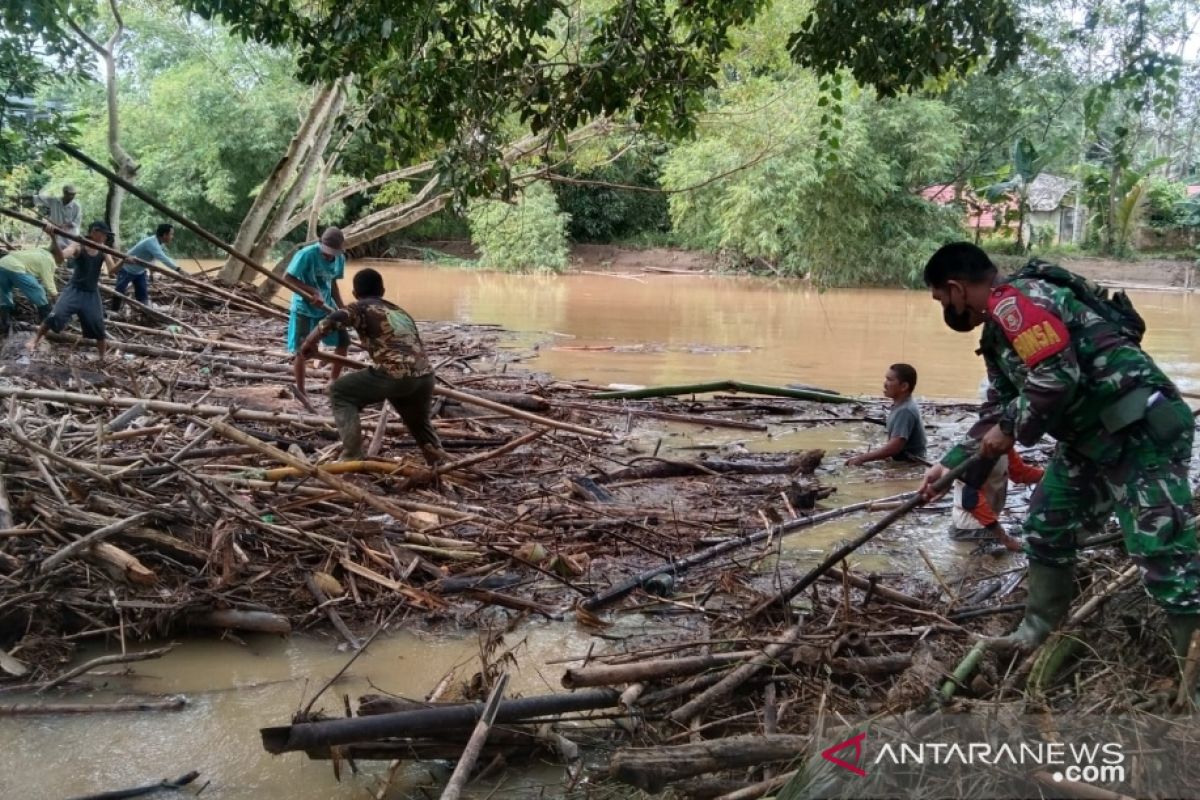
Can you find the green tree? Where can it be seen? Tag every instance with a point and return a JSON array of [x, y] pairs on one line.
[[528, 235]]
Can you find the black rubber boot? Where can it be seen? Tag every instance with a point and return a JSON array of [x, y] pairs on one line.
[[5, 321], [44, 311], [1051, 590]]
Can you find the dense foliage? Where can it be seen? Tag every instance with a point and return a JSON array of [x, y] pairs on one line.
[[527, 235]]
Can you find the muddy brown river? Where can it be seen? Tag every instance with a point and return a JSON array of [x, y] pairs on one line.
[[653, 329]]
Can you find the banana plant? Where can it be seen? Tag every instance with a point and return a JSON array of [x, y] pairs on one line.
[[1025, 166]]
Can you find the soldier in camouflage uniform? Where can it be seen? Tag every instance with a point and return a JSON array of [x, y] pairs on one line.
[[1061, 362], [402, 375]]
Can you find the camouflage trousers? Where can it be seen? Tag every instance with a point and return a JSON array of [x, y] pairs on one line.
[[1146, 483]]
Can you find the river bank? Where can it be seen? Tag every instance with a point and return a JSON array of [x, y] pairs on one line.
[[1148, 270]]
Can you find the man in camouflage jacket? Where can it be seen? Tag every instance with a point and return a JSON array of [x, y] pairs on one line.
[[401, 374], [1058, 366]]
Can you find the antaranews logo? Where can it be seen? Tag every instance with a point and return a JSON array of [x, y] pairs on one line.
[[856, 743]]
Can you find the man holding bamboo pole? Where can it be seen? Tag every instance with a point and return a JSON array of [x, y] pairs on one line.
[[313, 275], [401, 376], [81, 297]]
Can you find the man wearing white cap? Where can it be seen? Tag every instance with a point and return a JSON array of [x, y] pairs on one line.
[[64, 213], [313, 275]]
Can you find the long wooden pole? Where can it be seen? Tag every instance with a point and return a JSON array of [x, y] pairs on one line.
[[158, 206], [751, 667], [326, 733], [840, 554], [470, 754], [618, 591]]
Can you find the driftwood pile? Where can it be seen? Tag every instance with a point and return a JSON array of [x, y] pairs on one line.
[[180, 486]]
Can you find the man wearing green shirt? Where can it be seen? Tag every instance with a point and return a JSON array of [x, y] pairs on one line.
[[32, 272]]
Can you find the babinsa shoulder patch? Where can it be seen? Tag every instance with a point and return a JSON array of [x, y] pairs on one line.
[[1035, 333]]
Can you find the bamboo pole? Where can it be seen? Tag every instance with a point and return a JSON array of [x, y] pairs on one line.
[[784, 596], [470, 754], [620, 590], [350, 490], [326, 733], [158, 206]]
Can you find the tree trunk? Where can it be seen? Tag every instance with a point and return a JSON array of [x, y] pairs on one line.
[[232, 271], [308, 161], [122, 162], [1110, 223], [394, 219], [318, 202]]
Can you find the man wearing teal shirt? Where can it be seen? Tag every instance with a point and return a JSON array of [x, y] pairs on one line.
[[132, 272], [313, 276]]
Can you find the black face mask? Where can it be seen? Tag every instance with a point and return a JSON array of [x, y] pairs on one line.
[[957, 320]]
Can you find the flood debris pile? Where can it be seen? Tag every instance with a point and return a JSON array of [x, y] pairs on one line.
[[180, 486], [743, 705]]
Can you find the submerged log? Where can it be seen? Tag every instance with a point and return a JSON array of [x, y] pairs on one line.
[[312, 735], [651, 769]]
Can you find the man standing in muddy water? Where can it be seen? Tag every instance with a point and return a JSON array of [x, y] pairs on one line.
[[1063, 359]]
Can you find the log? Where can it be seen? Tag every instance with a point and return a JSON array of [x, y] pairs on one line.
[[838, 555], [235, 619], [726, 386], [651, 769], [326, 733], [470, 754], [126, 564], [891, 595], [638, 671], [126, 418], [525, 402], [680, 566], [53, 709], [84, 543]]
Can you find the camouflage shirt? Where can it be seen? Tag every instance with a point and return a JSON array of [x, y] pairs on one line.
[[389, 334], [1053, 365]]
